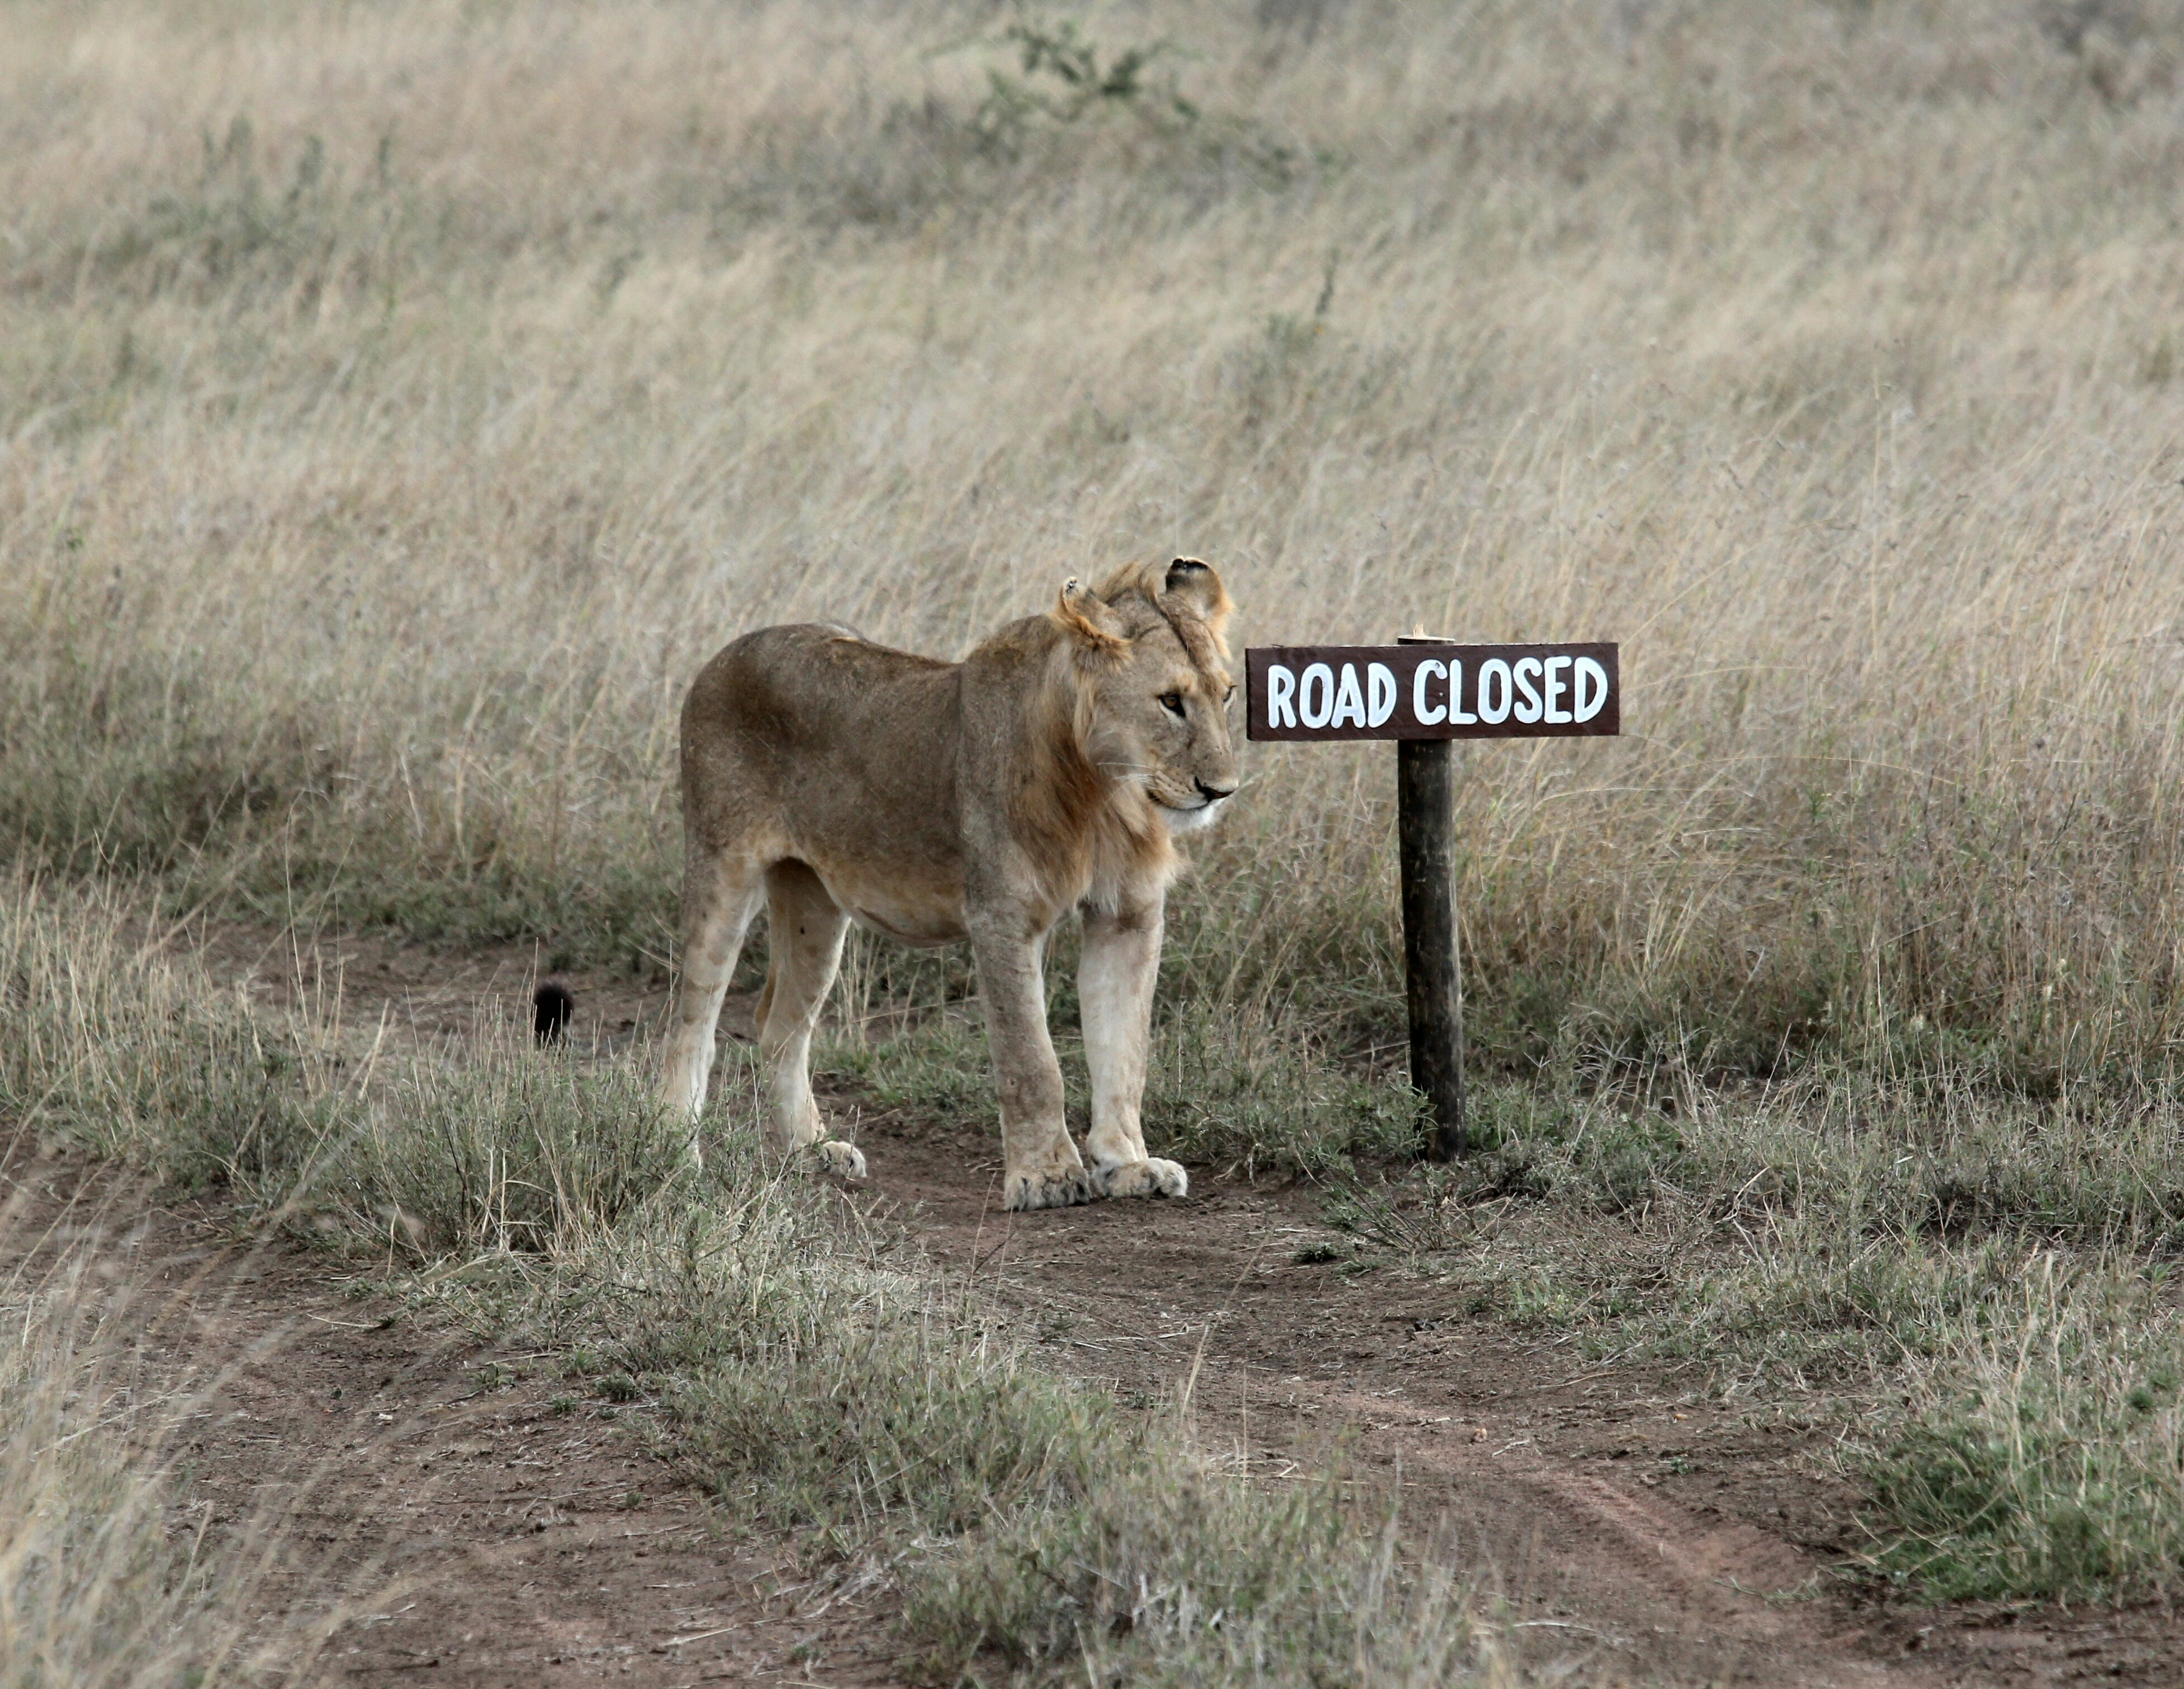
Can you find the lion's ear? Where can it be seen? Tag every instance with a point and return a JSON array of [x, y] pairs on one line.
[[1089, 621], [1194, 583]]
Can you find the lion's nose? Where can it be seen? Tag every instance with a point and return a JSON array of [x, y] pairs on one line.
[[1213, 794]]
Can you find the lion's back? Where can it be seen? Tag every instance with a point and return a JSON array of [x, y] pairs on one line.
[[820, 726]]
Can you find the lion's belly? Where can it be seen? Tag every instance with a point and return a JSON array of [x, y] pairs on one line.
[[910, 910], [894, 925]]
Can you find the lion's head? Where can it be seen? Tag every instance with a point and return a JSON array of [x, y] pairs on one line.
[[1152, 686]]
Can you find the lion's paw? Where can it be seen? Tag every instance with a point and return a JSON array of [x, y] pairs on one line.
[[845, 1158], [1056, 1188], [1152, 1177]]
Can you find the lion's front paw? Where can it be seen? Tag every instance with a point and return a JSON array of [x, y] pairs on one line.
[[1055, 1188], [846, 1159], [1152, 1177]]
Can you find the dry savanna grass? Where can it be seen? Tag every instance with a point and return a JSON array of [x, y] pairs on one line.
[[94, 1587], [398, 402]]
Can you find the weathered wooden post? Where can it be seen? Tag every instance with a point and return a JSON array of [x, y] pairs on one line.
[[1433, 980], [1422, 692]]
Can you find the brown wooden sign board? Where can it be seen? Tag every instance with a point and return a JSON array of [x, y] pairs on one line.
[[1426, 690], [1424, 693]]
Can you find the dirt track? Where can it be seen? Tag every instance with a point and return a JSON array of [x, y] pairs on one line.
[[439, 1518], [1639, 1531]]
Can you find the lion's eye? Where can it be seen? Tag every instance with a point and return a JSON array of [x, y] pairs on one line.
[[1171, 702]]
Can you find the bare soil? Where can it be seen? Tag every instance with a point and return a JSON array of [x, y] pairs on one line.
[[430, 1513], [408, 1500]]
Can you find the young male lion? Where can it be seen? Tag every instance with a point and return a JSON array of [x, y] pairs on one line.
[[934, 801]]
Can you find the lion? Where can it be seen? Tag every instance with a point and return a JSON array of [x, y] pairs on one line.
[[931, 801]]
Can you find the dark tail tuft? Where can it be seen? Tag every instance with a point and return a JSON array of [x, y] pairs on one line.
[[551, 1008]]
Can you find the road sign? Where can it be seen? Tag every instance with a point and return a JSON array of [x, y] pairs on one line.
[[1432, 690], [1422, 692]]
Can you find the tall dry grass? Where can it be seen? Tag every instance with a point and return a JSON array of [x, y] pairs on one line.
[[396, 404], [99, 1585], [113, 1572]]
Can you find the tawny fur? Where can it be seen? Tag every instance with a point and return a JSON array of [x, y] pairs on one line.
[[934, 801]]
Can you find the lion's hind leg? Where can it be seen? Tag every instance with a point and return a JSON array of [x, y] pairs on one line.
[[720, 895], [804, 930]]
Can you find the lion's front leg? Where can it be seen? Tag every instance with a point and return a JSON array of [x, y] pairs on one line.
[[1043, 1169], [1115, 984]]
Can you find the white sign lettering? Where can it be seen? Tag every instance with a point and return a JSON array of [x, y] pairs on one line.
[[1432, 691]]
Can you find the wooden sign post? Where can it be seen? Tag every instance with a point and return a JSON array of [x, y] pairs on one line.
[[1422, 692]]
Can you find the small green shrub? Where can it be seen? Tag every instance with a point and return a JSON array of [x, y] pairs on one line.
[[2039, 1458], [506, 1150], [1064, 76]]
